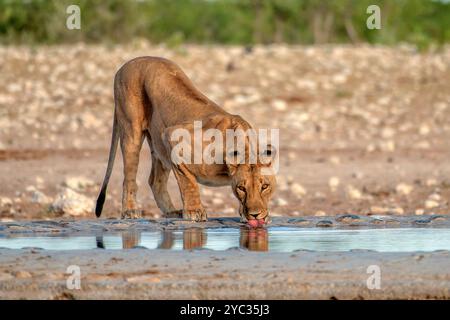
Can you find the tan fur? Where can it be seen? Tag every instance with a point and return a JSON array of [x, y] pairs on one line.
[[153, 97]]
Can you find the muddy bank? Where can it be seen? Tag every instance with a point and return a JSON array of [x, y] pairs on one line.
[[232, 274]]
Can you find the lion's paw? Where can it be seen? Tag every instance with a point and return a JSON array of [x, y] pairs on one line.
[[195, 215], [132, 214]]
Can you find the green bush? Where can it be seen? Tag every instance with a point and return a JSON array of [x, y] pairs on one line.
[[421, 22]]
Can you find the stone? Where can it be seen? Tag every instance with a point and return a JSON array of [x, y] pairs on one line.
[[279, 105], [217, 201], [320, 213], [298, 190], [280, 202], [324, 224], [72, 203], [431, 204], [354, 193], [419, 212], [333, 183], [404, 189], [78, 183], [5, 202], [39, 197]]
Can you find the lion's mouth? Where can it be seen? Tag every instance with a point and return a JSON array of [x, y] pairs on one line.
[[256, 223]]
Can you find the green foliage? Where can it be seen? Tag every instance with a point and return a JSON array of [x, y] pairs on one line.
[[422, 22]]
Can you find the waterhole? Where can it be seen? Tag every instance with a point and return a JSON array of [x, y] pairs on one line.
[[275, 239]]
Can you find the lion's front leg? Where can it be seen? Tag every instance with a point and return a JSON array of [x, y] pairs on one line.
[[190, 193]]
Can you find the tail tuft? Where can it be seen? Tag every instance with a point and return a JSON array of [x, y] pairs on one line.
[[100, 202]]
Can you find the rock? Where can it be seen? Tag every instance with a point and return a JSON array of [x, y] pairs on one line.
[[217, 201], [435, 197], [78, 183], [431, 182], [280, 202], [298, 190], [419, 212], [320, 213], [228, 210], [5, 202], [39, 181], [279, 105], [39, 197], [424, 130], [206, 192], [333, 183], [30, 188], [348, 218], [324, 224], [72, 203], [430, 204], [404, 189], [387, 146], [353, 193]]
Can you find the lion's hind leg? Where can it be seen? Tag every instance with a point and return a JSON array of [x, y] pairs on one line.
[[159, 176], [131, 143]]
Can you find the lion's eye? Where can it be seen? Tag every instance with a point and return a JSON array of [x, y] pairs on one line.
[[242, 188], [264, 186]]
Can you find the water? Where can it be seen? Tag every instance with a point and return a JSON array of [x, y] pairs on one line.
[[275, 239]]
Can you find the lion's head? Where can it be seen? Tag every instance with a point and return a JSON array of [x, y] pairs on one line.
[[253, 185]]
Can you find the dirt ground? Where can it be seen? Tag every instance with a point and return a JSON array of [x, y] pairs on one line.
[[363, 129]]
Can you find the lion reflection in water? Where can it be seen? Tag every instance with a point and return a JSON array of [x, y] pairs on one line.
[[194, 238]]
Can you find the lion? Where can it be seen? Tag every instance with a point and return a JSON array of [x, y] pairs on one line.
[[153, 97]]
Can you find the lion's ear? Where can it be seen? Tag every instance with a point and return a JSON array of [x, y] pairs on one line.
[[267, 155]]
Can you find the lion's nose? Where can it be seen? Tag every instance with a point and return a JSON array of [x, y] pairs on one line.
[[254, 214]]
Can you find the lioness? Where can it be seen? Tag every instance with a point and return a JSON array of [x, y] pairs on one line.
[[153, 97]]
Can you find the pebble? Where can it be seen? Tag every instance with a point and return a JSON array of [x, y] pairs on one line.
[[298, 190], [229, 210], [430, 204], [280, 202], [39, 197], [78, 183], [324, 224], [333, 183], [346, 218], [431, 182], [279, 105], [404, 189], [5, 202], [217, 201], [353, 193], [72, 203], [435, 197]]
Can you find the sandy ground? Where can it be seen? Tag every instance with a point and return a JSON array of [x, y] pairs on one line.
[[140, 273], [362, 129]]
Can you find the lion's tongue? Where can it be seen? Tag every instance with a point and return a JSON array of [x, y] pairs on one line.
[[256, 223]]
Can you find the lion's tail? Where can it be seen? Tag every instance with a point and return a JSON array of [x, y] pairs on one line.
[[112, 156]]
